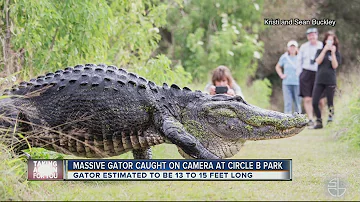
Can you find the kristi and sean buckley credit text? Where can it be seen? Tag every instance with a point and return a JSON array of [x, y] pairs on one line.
[[296, 21]]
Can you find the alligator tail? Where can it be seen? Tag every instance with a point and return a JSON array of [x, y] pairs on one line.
[[9, 126], [8, 113]]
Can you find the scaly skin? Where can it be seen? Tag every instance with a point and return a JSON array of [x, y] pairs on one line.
[[101, 111]]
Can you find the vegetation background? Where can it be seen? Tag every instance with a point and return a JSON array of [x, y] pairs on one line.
[[173, 41]]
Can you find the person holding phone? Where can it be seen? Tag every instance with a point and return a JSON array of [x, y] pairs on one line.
[[290, 81], [222, 82], [328, 58], [307, 68]]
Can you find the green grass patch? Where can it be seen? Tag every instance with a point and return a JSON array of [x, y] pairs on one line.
[[349, 125], [317, 158], [347, 113], [13, 184]]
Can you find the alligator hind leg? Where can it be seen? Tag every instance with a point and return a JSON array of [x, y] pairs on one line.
[[143, 153], [176, 133]]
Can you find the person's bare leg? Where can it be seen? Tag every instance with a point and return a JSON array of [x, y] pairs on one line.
[[308, 107], [322, 105]]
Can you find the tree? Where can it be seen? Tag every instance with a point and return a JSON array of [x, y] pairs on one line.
[[347, 29], [205, 34]]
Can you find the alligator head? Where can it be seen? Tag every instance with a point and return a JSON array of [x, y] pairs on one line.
[[223, 123]]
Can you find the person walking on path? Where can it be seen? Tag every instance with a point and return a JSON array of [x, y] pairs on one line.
[[328, 60], [307, 68], [290, 81]]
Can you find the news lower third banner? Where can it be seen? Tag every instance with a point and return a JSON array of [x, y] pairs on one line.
[[150, 170]]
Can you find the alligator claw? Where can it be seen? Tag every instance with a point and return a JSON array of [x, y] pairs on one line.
[[207, 155]]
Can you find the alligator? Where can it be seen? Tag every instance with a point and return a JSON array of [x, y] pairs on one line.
[[100, 111]]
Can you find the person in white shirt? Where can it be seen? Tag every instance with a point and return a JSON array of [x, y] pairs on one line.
[[307, 68]]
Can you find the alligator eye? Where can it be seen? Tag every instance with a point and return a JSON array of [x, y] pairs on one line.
[[224, 122]]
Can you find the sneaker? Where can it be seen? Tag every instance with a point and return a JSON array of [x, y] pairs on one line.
[[310, 123], [318, 124], [330, 119]]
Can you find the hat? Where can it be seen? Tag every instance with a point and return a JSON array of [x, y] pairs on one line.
[[292, 43], [311, 30]]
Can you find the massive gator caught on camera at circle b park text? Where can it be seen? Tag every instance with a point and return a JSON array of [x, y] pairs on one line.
[[99, 111]]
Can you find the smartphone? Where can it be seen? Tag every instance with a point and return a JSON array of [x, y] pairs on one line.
[[221, 89]]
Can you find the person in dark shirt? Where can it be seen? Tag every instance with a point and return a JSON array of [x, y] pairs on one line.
[[328, 58]]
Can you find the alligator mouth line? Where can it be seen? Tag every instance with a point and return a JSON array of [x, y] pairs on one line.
[[270, 125], [277, 128], [290, 130]]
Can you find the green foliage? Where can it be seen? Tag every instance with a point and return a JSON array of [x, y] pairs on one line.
[[259, 93], [347, 29], [210, 33], [346, 19], [56, 34], [59, 33], [346, 125], [349, 123], [134, 31], [41, 153], [159, 69], [12, 177]]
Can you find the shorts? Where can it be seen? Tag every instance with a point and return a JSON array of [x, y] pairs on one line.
[[307, 83]]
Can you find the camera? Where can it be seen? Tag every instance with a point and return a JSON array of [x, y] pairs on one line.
[[221, 89]]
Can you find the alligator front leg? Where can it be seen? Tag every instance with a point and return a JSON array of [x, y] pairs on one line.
[[174, 131]]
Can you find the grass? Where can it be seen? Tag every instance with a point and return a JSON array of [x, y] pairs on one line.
[[348, 128], [317, 158]]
